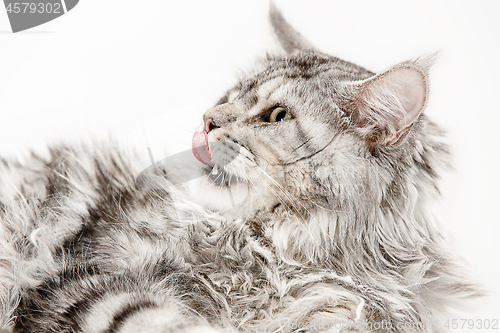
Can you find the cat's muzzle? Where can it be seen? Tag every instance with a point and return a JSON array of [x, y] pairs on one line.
[[215, 172]]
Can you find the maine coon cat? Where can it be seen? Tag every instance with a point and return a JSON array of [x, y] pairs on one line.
[[311, 214]]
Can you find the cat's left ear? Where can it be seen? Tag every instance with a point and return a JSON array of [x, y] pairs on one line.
[[290, 40], [388, 104]]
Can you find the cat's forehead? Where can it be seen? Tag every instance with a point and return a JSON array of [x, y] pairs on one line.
[[310, 64], [303, 70]]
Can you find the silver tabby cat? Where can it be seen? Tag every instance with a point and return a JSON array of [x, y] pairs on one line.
[[311, 215]]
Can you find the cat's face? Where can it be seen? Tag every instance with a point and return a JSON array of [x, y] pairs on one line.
[[304, 129], [278, 129]]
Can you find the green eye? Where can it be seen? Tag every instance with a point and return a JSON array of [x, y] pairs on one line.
[[279, 114]]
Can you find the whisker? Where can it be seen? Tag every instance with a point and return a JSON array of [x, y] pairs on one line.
[[284, 191], [290, 197], [258, 192], [274, 192], [284, 197]]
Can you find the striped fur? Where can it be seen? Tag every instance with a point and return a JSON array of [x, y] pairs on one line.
[[328, 222]]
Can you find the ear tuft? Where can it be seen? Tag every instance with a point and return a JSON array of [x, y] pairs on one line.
[[290, 40], [389, 103]]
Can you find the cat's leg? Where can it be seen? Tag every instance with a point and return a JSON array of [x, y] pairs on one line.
[[163, 319], [82, 300]]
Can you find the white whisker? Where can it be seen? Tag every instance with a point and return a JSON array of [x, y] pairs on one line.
[[258, 192], [290, 198]]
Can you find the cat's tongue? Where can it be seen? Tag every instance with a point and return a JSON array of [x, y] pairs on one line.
[[200, 147]]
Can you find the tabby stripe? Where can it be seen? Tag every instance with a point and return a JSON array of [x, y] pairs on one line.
[[128, 311], [303, 137], [79, 310]]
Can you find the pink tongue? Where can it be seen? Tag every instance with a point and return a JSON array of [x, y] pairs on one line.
[[200, 147]]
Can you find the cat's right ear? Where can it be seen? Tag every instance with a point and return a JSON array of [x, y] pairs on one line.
[[289, 39], [386, 106]]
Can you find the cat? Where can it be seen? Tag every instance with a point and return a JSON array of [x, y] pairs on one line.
[[311, 214]]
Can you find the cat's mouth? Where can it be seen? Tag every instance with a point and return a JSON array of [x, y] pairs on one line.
[[217, 174], [220, 176]]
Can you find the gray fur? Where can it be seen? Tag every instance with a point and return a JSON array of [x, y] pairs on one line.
[[328, 220]]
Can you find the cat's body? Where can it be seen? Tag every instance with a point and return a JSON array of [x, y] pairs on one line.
[[322, 220]]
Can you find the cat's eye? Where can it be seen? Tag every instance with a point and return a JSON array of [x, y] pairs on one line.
[[279, 114]]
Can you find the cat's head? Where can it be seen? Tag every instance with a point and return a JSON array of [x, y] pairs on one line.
[[306, 128]]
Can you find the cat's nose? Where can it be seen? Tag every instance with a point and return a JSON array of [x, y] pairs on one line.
[[209, 124], [218, 116]]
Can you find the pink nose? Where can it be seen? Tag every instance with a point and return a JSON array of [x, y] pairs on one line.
[[200, 147], [208, 124]]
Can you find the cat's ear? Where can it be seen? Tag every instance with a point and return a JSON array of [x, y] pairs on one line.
[[290, 40], [387, 105]]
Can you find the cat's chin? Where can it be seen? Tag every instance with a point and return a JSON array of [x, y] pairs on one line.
[[223, 196]]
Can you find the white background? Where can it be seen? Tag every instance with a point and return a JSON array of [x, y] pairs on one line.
[[131, 66]]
